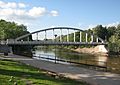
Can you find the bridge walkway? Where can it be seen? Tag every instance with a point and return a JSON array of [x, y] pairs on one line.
[[71, 71]]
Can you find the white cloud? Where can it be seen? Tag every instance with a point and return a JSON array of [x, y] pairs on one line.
[[54, 13], [11, 5], [19, 12], [9, 9], [5, 12], [8, 5], [21, 5], [37, 11], [22, 13]]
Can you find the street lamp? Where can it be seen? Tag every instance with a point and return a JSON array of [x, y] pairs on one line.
[[55, 48]]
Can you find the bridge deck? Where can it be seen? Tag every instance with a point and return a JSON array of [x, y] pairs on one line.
[[52, 43]]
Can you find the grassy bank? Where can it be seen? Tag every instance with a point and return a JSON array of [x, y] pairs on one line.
[[15, 73]]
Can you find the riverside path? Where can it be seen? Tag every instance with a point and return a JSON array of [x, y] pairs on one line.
[[71, 71]]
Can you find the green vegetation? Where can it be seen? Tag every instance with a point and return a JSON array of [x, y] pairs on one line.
[[15, 73], [11, 30]]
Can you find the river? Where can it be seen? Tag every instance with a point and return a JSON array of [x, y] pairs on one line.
[[112, 63]]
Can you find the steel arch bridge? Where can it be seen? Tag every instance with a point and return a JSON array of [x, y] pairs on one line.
[[58, 36]]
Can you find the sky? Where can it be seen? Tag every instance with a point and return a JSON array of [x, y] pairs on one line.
[[41, 14]]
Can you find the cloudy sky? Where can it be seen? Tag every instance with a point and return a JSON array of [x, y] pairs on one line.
[[40, 14]]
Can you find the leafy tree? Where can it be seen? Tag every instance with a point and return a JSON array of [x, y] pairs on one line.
[[118, 31], [11, 30], [100, 31], [114, 43], [111, 31], [114, 40]]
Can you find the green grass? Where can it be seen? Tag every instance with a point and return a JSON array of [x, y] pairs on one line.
[[16, 73]]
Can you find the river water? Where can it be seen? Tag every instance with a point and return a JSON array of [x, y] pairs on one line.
[[50, 54]]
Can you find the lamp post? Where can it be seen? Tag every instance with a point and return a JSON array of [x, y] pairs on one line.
[[55, 48]]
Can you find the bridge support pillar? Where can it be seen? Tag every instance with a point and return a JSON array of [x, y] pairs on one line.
[[74, 35], [28, 39], [80, 36], [4, 49], [61, 35], [53, 35], [68, 36], [91, 38], [86, 37], [45, 35], [101, 49], [37, 36], [97, 39]]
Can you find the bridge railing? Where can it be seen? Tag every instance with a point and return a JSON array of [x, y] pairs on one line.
[[3, 42], [14, 42]]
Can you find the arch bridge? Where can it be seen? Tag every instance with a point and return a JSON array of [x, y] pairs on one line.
[[58, 36]]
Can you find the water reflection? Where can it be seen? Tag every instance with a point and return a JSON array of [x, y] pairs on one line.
[[111, 62], [102, 60]]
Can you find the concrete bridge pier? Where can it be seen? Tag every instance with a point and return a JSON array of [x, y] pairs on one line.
[[5, 49], [101, 49]]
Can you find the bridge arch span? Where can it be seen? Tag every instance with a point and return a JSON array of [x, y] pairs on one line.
[[82, 40], [54, 28]]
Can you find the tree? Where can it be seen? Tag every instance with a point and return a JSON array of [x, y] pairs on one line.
[[118, 31], [111, 31], [10, 30], [100, 31], [114, 43], [114, 40]]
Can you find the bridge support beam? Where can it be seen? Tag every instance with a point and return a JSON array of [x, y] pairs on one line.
[[74, 35], [28, 38], [68, 36], [80, 36], [91, 38], [97, 39], [86, 37], [53, 35], [37, 36], [61, 35], [45, 35]]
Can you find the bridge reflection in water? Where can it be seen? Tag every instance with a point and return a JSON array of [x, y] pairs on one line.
[[69, 57], [98, 62]]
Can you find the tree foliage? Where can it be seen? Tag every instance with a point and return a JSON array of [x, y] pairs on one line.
[[100, 31], [11, 30]]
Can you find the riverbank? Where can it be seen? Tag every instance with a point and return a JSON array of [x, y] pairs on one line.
[[69, 71], [92, 50], [16, 73]]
